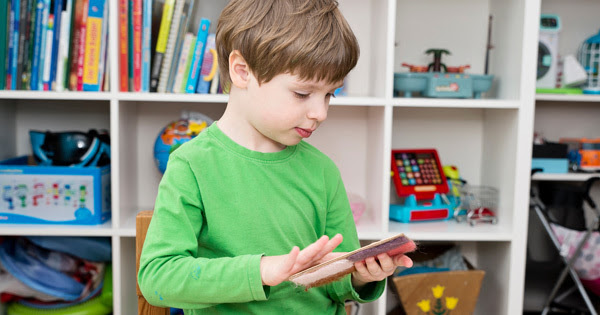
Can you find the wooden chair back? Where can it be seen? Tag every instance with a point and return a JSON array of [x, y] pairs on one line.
[[142, 221]]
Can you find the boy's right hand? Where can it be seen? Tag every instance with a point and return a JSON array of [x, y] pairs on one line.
[[276, 269]]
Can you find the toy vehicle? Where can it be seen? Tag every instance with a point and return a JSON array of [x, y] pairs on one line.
[[584, 154]]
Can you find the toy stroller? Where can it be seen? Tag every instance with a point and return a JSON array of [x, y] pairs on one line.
[[575, 251]]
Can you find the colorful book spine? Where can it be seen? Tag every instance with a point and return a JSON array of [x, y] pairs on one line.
[[182, 62], [58, 13], [3, 42], [169, 52], [146, 41], [209, 66], [71, 70], [106, 76], [188, 63], [13, 52], [23, 33], [28, 44], [93, 46], [34, 83], [214, 84], [136, 15], [102, 65], [130, 44], [48, 53], [187, 11], [161, 43], [43, 44], [198, 56], [81, 46], [63, 53], [123, 46], [176, 54]]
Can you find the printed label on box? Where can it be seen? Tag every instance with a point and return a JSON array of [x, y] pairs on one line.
[[53, 198]]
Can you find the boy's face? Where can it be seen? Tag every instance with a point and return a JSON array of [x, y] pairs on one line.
[[286, 109]]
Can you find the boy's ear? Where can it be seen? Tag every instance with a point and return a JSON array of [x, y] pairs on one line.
[[238, 69]]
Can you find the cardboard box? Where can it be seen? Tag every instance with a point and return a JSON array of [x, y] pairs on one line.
[[53, 194], [439, 292]]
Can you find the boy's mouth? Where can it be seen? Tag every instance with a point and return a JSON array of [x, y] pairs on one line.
[[304, 133]]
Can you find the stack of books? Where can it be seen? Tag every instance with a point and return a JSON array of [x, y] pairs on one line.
[[53, 45], [180, 59]]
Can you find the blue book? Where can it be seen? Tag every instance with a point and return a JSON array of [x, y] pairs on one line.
[[208, 68], [146, 52], [58, 8], [37, 45], [15, 13], [196, 64]]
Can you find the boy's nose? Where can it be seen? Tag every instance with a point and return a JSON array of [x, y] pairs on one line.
[[318, 111]]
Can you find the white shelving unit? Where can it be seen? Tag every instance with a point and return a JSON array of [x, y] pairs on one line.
[[488, 139]]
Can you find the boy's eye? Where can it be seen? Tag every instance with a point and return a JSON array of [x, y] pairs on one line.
[[330, 95], [301, 95]]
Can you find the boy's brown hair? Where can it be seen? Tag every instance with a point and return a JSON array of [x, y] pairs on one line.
[[308, 38]]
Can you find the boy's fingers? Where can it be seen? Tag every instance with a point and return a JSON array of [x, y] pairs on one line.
[[307, 255], [386, 263], [373, 267], [404, 261], [330, 246], [361, 268], [326, 249]]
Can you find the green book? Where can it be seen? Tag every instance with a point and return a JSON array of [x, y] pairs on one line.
[[3, 44]]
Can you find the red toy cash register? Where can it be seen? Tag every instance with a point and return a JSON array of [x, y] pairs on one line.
[[420, 180]]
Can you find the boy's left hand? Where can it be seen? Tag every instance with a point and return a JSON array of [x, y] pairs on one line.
[[377, 268]]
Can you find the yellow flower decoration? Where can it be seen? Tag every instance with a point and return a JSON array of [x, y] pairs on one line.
[[438, 291], [424, 305], [451, 302]]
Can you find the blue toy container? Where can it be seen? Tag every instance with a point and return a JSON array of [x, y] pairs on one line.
[[53, 194]]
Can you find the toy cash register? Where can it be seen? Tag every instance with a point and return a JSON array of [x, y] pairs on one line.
[[420, 180]]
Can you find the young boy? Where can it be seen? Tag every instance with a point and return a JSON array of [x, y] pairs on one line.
[[238, 202]]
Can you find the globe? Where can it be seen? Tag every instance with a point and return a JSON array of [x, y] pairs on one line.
[[175, 134]]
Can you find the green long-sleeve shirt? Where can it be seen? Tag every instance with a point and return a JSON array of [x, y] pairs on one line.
[[220, 207]]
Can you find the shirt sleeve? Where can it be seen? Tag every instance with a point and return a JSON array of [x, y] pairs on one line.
[[340, 220], [170, 273]]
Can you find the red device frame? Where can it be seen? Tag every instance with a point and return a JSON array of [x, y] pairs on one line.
[[421, 191]]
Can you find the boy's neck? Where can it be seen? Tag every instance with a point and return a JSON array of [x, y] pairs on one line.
[[241, 131]]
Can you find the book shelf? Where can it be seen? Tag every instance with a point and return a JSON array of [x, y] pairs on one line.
[[489, 139]]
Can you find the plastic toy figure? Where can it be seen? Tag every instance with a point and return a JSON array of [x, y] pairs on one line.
[[55, 193], [8, 197], [21, 192], [82, 194], [38, 193], [68, 194]]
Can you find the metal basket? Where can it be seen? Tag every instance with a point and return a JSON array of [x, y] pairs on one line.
[[479, 203]]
